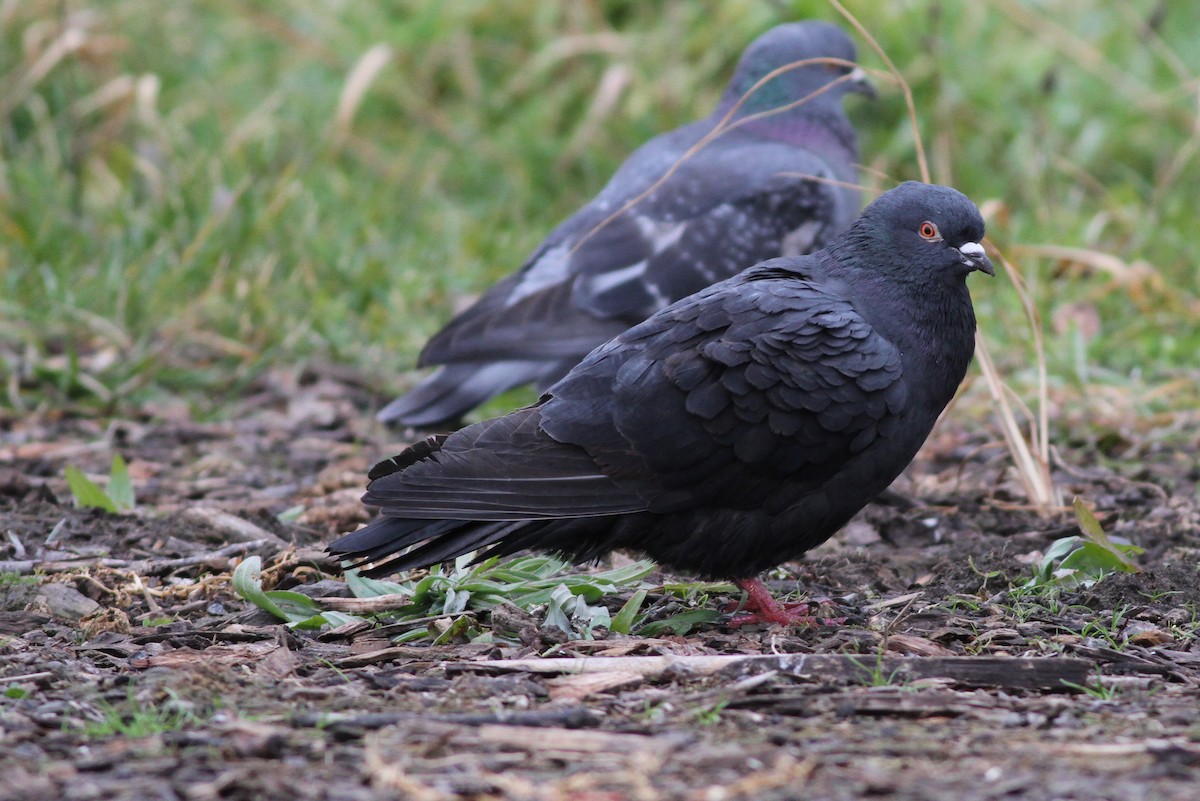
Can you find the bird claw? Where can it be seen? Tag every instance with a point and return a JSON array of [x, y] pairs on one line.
[[759, 606], [791, 614]]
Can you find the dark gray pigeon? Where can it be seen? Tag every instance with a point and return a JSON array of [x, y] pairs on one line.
[[739, 199], [731, 431]]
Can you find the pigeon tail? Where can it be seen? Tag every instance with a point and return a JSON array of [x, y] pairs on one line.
[[374, 547]]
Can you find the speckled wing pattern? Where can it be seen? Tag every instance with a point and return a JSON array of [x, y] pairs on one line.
[[735, 202], [605, 269]]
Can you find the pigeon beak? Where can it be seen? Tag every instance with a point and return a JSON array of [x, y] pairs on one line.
[[973, 256], [859, 82]]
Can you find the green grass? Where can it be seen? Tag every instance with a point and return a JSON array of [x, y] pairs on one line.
[[180, 208], [132, 718]]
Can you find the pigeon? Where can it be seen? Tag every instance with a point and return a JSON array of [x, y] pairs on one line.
[[686, 210], [729, 432]]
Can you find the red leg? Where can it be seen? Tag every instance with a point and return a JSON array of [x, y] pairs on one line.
[[761, 607]]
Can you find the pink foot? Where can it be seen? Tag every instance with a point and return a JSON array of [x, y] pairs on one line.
[[761, 607]]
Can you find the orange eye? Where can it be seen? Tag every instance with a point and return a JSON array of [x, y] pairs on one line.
[[929, 231]]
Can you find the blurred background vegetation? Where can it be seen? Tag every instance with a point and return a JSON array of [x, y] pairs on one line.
[[194, 192]]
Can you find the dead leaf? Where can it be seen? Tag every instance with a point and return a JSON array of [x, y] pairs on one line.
[[916, 646], [578, 687]]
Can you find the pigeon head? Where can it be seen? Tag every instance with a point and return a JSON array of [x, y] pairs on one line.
[[790, 43], [919, 231]]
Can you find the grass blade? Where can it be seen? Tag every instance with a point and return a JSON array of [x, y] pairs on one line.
[[624, 620], [87, 493], [120, 486]]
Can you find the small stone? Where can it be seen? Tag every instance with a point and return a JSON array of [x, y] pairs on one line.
[[63, 601]]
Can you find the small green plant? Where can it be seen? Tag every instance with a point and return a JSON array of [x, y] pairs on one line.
[[540, 583], [525, 582], [960, 602], [710, 715], [297, 610], [681, 623], [1096, 690], [1084, 559], [875, 675], [133, 719], [1107, 630], [116, 497], [652, 712], [571, 614], [1028, 602], [569, 601]]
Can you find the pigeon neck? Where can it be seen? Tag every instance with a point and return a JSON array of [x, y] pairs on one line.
[[825, 130], [945, 333], [933, 321]]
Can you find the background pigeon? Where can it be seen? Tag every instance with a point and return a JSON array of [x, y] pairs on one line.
[[729, 432], [736, 201]]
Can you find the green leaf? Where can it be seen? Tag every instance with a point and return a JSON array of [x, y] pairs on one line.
[[86, 492], [120, 486], [527, 582], [461, 627], [1091, 529], [295, 606], [335, 618], [456, 602], [680, 624], [364, 587], [570, 613], [290, 514], [1095, 560], [623, 622], [419, 633], [297, 609], [247, 583], [1058, 550], [694, 589], [628, 574]]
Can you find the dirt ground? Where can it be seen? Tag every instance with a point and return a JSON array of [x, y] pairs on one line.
[[129, 669]]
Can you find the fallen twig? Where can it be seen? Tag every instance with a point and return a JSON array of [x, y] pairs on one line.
[[146, 567], [235, 529], [574, 717], [363, 606], [1040, 673]]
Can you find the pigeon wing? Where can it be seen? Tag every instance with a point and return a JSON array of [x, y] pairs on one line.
[[761, 379], [609, 266], [501, 469], [714, 400]]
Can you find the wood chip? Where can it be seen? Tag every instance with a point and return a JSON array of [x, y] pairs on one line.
[[578, 687]]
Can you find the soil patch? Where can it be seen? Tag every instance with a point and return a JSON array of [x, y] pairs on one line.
[[132, 670]]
